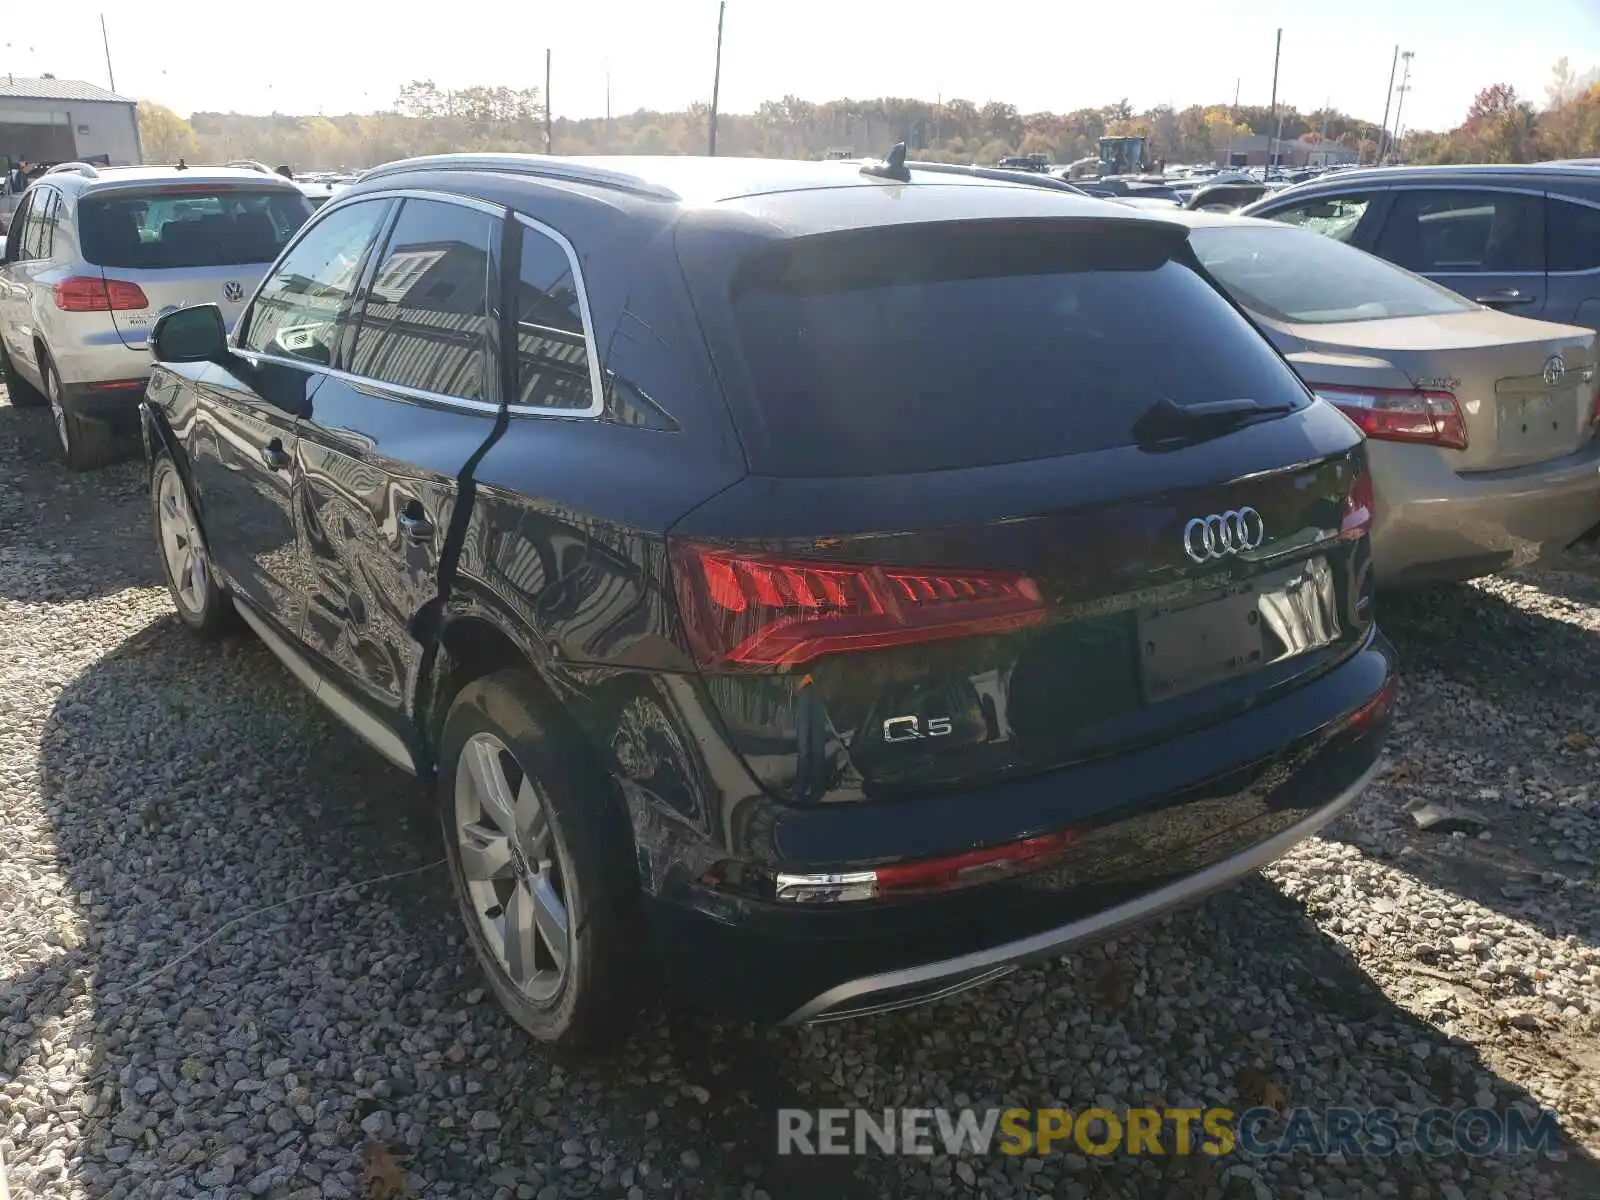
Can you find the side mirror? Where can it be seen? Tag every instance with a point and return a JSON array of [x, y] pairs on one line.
[[195, 334]]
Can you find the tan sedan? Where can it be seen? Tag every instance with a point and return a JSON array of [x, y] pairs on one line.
[[1482, 426]]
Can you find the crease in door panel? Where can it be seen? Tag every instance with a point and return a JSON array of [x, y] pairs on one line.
[[426, 626]]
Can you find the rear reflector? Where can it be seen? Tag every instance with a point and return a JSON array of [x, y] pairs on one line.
[[754, 611], [1376, 709], [1356, 512], [91, 293], [116, 385], [1399, 415], [925, 875]]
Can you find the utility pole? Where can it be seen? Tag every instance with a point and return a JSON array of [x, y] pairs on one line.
[[1388, 99], [1400, 105], [549, 137], [1233, 122], [106, 42], [716, 77], [1272, 117]]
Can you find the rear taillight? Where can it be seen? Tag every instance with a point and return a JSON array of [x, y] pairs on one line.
[[89, 293], [1401, 415], [754, 611], [1356, 511]]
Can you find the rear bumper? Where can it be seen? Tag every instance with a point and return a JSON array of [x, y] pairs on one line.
[[1299, 762], [103, 401], [1433, 523], [888, 990]]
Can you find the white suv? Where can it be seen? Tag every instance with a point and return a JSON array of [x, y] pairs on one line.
[[96, 256]]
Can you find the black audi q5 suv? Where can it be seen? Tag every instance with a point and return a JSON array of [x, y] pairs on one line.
[[815, 590]]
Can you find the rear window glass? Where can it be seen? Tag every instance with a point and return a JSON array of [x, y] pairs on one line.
[[937, 347], [190, 228], [1293, 275]]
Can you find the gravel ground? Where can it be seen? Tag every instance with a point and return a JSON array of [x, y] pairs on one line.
[[162, 1036]]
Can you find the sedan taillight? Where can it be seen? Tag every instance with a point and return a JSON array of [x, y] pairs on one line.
[[1401, 414]]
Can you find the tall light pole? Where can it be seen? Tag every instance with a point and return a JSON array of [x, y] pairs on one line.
[[1388, 99], [1400, 105], [1272, 117], [106, 42], [549, 136], [1233, 122], [716, 78]]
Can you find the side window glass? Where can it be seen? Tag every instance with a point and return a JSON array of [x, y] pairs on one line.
[[426, 321], [1335, 217], [303, 304], [47, 229], [1573, 236], [552, 351], [1464, 232], [33, 228], [17, 239]]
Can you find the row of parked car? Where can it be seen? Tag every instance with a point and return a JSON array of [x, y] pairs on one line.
[[819, 586]]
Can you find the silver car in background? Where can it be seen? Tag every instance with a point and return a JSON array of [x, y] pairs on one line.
[[1482, 425], [96, 256]]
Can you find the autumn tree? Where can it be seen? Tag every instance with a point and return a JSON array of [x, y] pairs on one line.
[[164, 136]]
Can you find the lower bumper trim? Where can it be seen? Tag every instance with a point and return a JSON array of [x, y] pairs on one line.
[[932, 981]]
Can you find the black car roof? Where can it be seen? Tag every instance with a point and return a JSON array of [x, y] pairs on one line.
[[1579, 173], [791, 197]]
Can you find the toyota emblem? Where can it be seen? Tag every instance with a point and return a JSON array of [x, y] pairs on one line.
[[1554, 368], [1221, 534], [233, 290]]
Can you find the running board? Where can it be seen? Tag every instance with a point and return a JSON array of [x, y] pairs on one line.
[[342, 705]]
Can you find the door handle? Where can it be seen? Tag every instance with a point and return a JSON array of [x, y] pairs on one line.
[[275, 456], [414, 522], [1505, 296]]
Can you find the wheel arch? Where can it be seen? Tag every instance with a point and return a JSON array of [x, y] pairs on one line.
[[475, 637], [159, 437]]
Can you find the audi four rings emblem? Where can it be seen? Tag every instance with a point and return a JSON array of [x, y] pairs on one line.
[[1222, 534], [1554, 368]]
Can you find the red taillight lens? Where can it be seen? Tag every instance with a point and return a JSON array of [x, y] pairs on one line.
[[1398, 415], [88, 293], [1355, 513], [754, 611]]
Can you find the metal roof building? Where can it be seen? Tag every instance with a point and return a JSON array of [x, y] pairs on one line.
[[50, 120]]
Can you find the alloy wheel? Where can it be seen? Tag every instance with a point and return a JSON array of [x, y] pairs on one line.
[[511, 868], [180, 542]]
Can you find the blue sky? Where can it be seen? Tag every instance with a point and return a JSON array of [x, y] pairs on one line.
[[343, 55]]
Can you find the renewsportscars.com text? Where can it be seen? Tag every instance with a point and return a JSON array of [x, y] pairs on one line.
[[1257, 1132]]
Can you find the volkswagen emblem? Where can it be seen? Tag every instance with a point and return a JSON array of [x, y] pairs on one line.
[[1554, 368], [1221, 534], [233, 290]]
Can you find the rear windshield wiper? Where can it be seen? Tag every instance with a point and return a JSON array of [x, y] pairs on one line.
[[1167, 423]]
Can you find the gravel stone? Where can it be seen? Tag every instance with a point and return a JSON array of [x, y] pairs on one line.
[[164, 1032]]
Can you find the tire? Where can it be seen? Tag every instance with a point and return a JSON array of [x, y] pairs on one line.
[[198, 596], [22, 393], [84, 443], [573, 844]]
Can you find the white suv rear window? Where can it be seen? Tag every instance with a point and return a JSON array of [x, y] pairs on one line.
[[191, 226]]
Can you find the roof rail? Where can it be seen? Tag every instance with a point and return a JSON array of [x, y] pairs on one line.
[[999, 174], [250, 164], [568, 170], [77, 168]]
